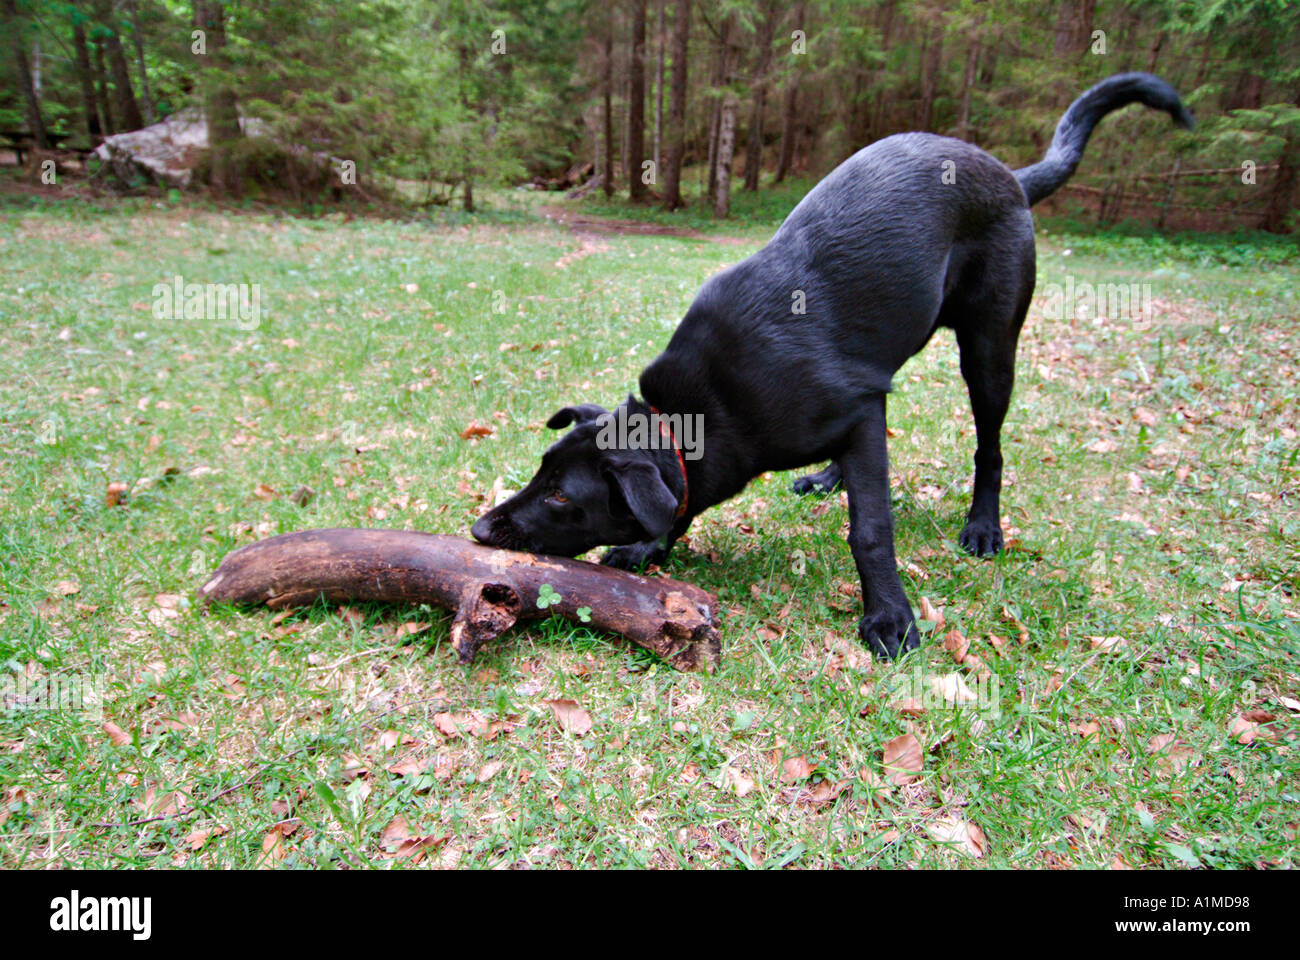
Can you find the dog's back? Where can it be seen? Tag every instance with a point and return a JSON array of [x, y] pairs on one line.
[[848, 288]]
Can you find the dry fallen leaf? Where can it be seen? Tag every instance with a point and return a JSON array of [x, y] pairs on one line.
[[909, 706], [116, 734], [412, 766], [463, 724], [1107, 644], [962, 834], [739, 783], [198, 838], [796, 768], [396, 831], [932, 613], [1246, 730], [952, 687], [1088, 729], [571, 717], [903, 759], [273, 849], [1171, 754], [66, 588], [166, 805], [489, 770], [956, 643], [826, 791], [976, 666]]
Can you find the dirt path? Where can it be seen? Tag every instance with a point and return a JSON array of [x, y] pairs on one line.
[[589, 230]]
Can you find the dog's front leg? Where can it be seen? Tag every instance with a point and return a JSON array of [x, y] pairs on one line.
[[635, 556], [888, 627]]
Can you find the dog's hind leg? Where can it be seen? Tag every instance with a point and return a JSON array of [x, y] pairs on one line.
[[987, 335], [888, 627], [823, 481]]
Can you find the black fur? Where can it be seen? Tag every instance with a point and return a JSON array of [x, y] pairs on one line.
[[1041, 180], [881, 253]]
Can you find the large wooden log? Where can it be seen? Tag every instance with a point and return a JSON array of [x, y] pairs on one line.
[[488, 589]]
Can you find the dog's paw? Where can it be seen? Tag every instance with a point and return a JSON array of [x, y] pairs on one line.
[[634, 556], [889, 633], [982, 538], [823, 481]]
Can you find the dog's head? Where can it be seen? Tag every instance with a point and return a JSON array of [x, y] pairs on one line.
[[584, 495]]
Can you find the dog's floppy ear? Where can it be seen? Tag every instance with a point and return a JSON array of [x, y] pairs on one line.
[[645, 492], [582, 413]]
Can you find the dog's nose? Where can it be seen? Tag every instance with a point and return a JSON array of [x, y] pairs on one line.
[[482, 530]]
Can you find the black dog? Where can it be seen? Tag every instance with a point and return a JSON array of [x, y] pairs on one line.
[[788, 357]]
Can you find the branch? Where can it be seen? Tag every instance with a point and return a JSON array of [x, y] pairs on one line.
[[489, 590]]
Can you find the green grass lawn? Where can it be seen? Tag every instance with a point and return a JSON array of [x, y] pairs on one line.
[[1142, 628]]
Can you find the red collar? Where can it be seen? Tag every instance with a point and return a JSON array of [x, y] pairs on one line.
[[666, 431]]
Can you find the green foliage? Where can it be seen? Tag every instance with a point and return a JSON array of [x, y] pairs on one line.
[[435, 99]]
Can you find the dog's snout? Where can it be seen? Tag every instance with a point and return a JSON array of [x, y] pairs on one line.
[[482, 529]]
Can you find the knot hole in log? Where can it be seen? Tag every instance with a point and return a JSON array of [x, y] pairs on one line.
[[485, 612]]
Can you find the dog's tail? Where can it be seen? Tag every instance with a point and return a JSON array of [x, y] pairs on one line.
[[1042, 179]]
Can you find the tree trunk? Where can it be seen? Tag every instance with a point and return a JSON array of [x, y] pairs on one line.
[[1073, 27], [721, 80], [789, 114], [607, 82], [1154, 56], [754, 152], [930, 79], [887, 21], [134, 10], [488, 589], [967, 85], [677, 108], [659, 95], [128, 111], [636, 104], [1169, 193], [87, 80], [789, 118], [726, 147], [26, 80], [711, 163], [101, 90], [219, 102], [1249, 91], [1282, 196]]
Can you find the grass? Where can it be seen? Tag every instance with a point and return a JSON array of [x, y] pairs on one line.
[[1151, 502]]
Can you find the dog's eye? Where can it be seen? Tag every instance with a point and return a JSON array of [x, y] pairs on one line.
[[559, 497]]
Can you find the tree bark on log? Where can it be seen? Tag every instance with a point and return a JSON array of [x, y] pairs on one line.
[[489, 590]]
